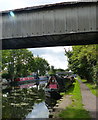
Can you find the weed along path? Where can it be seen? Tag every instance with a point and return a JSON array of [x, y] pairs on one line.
[[88, 99]]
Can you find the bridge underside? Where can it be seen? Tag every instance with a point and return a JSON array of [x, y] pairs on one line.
[[64, 24], [51, 40]]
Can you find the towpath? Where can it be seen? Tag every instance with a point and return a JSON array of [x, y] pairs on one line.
[[89, 100]]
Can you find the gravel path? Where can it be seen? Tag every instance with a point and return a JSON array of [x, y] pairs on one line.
[[88, 99]]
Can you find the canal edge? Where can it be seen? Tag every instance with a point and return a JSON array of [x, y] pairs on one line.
[[60, 105]]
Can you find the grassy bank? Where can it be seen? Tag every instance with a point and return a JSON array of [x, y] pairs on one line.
[[75, 110], [93, 88]]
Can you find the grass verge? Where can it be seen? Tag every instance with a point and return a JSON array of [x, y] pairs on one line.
[[93, 88], [75, 110]]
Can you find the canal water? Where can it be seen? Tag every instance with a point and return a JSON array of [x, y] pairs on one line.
[[25, 101]]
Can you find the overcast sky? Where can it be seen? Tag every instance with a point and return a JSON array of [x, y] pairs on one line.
[[13, 4], [54, 55]]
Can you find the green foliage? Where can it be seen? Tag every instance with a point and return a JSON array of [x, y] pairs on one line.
[[6, 76], [60, 70], [17, 62], [41, 65], [20, 63], [82, 61], [52, 71]]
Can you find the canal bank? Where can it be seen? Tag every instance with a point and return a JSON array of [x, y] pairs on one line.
[[60, 106], [62, 103], [72, 105]]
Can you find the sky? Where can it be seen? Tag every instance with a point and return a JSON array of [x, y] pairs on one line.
[[54, 55], [14, 4]]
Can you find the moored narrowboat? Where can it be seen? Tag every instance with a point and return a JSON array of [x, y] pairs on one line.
[[57, 84], [23, 80], [52, 88]]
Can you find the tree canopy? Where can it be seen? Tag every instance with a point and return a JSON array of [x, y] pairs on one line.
[[82, 61], [21, 62], [41, 66]]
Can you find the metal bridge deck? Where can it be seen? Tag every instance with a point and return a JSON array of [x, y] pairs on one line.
[[69, 23]]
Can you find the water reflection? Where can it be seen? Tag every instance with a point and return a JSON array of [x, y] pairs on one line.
[[26, 86], [26, 101], [17, 103], [40, 111]]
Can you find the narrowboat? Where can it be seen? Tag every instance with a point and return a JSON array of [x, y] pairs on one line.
[[34, 78], [56, 85], [53, 87], [23, 80]]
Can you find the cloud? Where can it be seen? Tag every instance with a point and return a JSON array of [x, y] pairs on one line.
[[54, 55], [56, 61], [11, 4], [43, 2], [54, 50]]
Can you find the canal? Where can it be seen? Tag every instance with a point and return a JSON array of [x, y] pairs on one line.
[[25, 101]]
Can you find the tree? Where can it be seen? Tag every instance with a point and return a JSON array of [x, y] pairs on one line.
[[60, 70], [41, 65], [52, 70], [18, 63], [82, 60]]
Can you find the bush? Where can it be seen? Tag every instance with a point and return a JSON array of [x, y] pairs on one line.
[[6, 76]]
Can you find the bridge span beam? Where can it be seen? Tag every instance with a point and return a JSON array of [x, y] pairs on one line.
[[72, 23]]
